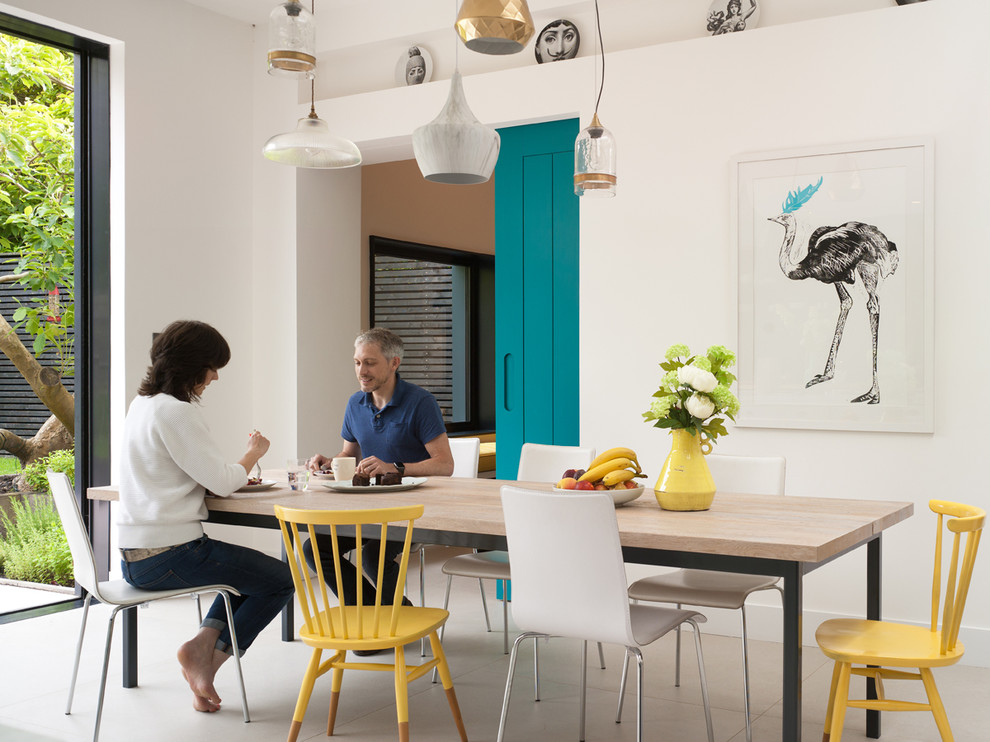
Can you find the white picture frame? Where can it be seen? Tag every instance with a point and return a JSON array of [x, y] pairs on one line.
[[787, 297]]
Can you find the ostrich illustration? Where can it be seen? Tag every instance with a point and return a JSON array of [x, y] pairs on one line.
[[840, 256]]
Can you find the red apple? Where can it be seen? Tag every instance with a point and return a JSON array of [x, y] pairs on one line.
[[631, 485], [584, 485], [567, 483], [601, 486]]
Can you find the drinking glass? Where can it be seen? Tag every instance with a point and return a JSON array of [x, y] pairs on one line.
[[298, 473]]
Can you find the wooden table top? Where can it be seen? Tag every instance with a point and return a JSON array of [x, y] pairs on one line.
[[800, 529]]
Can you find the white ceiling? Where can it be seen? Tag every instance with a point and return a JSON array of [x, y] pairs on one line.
[[368, 21]]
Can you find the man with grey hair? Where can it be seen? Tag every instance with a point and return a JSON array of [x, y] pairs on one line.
[[390, 425]]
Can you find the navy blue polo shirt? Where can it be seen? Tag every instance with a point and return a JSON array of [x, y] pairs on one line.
[[398, 432]]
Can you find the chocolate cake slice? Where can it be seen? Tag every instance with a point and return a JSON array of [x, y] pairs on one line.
[[361, 480], [390, 477]]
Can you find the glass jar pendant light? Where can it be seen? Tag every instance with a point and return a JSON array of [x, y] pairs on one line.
[[594, 148], [495, 26], [292, 41]]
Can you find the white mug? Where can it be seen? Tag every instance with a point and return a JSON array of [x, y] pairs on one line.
[[343, 468]]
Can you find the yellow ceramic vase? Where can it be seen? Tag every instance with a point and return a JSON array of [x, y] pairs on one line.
[[685, 483]]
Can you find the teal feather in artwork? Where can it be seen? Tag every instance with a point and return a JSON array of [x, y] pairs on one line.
[[796, 199]]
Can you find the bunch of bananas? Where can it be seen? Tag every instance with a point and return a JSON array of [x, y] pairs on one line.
[[614, 467]]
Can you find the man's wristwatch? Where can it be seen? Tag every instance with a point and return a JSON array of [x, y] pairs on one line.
[[401, 468]]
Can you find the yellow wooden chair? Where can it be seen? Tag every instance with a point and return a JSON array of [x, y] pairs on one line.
[[881, 645], [340, 627]]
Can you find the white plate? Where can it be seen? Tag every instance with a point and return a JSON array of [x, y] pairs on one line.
[[619, 497], [407, 484], [265, 484]]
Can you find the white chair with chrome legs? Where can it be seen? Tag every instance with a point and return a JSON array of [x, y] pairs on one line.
[[754, 475], [117, 593], [538, 462], [569, 581]]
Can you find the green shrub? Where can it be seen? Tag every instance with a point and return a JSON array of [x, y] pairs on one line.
[[36, 473], [35, 548], [9, 465]]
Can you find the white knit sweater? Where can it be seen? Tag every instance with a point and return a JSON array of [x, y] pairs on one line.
[[169, 460]]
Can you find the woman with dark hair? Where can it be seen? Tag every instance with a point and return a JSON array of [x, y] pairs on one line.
[[168, 463]]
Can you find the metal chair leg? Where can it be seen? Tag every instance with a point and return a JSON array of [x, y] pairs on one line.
[[745, 659], [199, 607], [583, 698], [75, 666], [677, 655], [103, 676], [704, 679], [505, 620], [484, 604], [536, 668], [622, 686], [508, 682], [601, 655], [235, 650]]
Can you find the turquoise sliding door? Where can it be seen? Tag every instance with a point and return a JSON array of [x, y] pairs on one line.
[[536, 282]]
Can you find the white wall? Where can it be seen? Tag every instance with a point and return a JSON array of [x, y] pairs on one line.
[[655, 261]]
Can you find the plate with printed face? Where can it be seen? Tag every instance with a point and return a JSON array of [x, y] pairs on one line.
[[407, 484], [256, 485]]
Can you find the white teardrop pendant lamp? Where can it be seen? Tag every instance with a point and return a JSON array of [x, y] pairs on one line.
[[312, 145], [292, 41], [495, 26], [455, 148], [594, 148]]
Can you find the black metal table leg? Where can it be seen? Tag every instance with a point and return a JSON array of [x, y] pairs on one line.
[[128, 618], [289, 611], [793, 599], [874, 579]]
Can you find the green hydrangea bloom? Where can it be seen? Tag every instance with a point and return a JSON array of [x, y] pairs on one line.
[[661, 406], [670, 380], [677, 351], [721, 356], [702, 363], [725, 400]]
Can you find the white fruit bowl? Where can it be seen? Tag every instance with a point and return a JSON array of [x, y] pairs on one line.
[[619, 497]]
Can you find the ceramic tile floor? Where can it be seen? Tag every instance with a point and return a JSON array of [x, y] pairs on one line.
[[37, 657]]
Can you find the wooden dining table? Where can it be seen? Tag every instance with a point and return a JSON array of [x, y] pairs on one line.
[[786, 537]]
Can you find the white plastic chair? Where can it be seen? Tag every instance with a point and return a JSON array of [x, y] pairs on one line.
[[569, 581], [117, 593], [754, 475], [538, 462]]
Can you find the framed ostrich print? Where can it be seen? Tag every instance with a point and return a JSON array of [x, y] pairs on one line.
[[834, 282]]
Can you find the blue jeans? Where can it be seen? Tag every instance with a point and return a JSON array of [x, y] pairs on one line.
[[350, 575], [264, 583]]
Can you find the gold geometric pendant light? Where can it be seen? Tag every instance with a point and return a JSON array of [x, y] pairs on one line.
[[292, 41], [495, 26]]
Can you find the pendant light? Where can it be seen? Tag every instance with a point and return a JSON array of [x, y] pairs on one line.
[[495, 26], [594, 149], [311, 144], [292, 41], [455, 148]]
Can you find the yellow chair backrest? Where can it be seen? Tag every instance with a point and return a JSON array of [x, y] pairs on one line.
[[962, 519], [342, 621]]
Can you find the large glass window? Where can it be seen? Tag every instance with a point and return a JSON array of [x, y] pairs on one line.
[[62, 309], [440, 301]]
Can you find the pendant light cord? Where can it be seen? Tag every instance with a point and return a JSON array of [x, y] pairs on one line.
[[312, 80], [601, 47]]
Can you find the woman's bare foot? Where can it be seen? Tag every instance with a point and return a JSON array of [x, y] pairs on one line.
[[199, 668]]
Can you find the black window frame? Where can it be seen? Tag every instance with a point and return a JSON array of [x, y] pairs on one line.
[[92, 274], [417, 251]]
